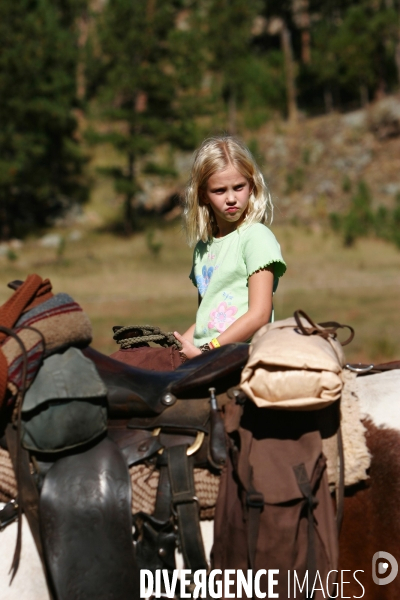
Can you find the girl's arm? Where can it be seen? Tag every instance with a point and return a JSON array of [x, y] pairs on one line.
[[260, 307]]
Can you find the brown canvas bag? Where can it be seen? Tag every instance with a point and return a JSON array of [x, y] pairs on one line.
[[274, 509]]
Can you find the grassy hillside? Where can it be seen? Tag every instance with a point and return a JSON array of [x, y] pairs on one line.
[[120, 281], [312, 169]]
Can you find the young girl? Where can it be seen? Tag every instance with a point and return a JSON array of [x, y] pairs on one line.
[[237, 260]]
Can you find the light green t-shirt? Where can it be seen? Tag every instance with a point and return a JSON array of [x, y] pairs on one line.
[[221, 268]]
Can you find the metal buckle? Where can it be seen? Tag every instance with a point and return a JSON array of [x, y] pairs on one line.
[[255, 499], [359, 369], [191, 449], [196, 444], [187, 501]]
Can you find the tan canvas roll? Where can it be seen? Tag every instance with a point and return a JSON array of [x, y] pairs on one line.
[[290, 370]]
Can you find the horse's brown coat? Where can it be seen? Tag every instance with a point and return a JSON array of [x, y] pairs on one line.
[[372, 517]]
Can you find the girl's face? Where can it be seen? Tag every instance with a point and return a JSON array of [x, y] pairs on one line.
[[228, 192]]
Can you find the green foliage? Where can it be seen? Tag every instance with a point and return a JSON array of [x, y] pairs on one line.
[[306, 156], [147, 77], [346, 184], [154, 246], [41, 163], [152, 168], [354, 45], [12, 256], [161, 73], [361, 220], [61, 248], [358, 221], [358, 43], [238, 74], [387, 223], [295, 180], [262, 90]]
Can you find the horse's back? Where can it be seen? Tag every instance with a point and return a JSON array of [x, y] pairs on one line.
[[372, 512], [29, 582]]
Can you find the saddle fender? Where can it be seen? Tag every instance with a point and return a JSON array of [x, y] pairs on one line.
[[86, 525]]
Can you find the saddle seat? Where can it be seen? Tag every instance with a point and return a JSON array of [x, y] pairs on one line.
[[134, 392]]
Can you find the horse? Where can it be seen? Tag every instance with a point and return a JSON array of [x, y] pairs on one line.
[[371, 510], [370, 521]]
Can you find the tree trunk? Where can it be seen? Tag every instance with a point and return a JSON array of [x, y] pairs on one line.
[[4, 229], [301, 17], [290, 74], [397, 59], [232, 112], [397, 49], [129, 211], [306, 46], [328, 99], [83, 29], [364, 97]]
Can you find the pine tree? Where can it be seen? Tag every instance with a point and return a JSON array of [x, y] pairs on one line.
[[229, 24], [147, 77], [40, 158], [354, 47], [360, 49]]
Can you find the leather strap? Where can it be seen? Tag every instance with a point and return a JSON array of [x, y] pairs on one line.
[[340, 487], [22, 299], [255, 506], [329, 328], [162, 510], [11, 310], [217, 454], [186, 507], [28, 498], [307, 487], [253, 501]]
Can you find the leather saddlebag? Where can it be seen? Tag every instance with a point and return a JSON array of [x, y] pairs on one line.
[[274, 509], [147, 357]]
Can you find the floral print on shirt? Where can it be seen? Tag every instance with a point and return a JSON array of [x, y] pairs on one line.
[[222, 317], [204, 279]]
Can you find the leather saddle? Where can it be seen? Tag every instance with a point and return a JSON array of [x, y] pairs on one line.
[[168, 420], [134, 392]]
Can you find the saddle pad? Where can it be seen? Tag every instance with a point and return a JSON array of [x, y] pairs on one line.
[[144, 486], [144, 489], [357, 457], [61, 322]]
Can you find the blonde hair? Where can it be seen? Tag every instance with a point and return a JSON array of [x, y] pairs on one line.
[[217, 154]]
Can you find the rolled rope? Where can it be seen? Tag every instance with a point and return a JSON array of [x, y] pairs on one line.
[[8, 482], [143, 334]]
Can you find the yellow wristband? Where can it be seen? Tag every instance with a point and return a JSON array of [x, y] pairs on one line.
[[215, 343]]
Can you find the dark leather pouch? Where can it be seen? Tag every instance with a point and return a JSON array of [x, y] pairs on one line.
[[66, 406]]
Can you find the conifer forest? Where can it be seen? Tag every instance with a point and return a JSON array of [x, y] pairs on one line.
[[141, 75]]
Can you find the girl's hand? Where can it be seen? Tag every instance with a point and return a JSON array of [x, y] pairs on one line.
[[188, 349]]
